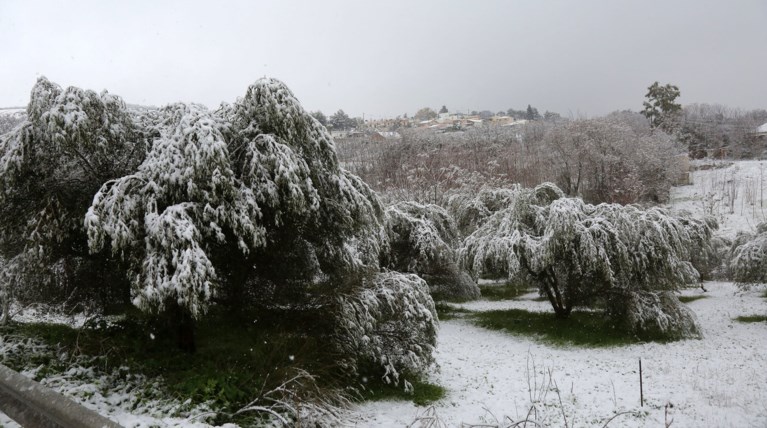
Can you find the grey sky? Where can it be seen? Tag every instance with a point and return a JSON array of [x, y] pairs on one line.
[[386, 58]]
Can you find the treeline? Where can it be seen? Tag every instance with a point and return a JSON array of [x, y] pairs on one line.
[[617, 158], [713, 130]]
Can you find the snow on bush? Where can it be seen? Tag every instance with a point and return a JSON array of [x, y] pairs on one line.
[[579, 254], [275, 178], [422, 240], [659, 314], [50, 166], [748, 257], [391, 322], [248, 205]]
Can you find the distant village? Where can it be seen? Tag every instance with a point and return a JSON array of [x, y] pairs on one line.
[[387, 129]]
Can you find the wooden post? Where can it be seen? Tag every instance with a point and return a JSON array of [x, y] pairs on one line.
[[641, 387]]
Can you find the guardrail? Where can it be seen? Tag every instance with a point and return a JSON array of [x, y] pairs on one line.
[[34, 405]]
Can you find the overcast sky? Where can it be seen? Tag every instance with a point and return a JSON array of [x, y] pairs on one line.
[[385, 58]]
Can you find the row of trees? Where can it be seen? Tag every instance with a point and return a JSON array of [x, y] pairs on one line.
[[180, 209], [706, 130], [617, 158]]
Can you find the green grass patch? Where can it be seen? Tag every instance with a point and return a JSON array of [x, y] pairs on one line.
[[751, 318], [688, 299], [588, 329], [503, 292], [236, 355], [447, 312], [423, 393]]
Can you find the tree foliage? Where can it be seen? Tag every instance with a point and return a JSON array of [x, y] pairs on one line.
[[748, 257], [50, 166], [425, 113], [321, 118], [579, 254], [341, 120], [391, 323], [422, 240], [661, 108], [246, 207]]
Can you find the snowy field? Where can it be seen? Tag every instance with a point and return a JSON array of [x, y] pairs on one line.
[[718, 381], [735, 193], [492, 377]]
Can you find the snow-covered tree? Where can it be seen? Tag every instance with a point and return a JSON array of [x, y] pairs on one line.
[[50, 166], [579, 254], [422, 240], [470, 210], [180, 208], [748, 257], [390, 322], [248, 206]]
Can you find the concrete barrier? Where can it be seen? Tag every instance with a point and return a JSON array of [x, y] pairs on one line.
[[33, 405]]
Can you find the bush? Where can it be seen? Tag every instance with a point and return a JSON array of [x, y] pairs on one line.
[[392, 323], [245, 208], [422, 240], [578, 254]]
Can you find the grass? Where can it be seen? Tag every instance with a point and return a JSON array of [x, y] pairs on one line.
[[751, 318], [237, 355], [446, 311], [688, 299], [233, 360], [588, 329], [423, 393], [502, 292]]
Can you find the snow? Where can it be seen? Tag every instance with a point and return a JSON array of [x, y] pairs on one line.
[[716, 381], [735, 193], [13, 111]]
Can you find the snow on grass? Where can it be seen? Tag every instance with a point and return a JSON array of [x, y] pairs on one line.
[[735, 193], [716, 381], [132, 400], [493, 377]]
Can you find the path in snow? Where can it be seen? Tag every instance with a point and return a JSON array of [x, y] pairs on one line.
[[718, 381]]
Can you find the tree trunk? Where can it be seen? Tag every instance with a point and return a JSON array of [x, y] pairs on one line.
[[562, 308], [181, 321], [186, 336]]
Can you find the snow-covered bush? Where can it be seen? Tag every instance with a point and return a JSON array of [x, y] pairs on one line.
[[579, 254], [471, 209], [180, 208], [271, 193], [248, 207], [390, 322], [748, 257], [422, 239], [50, 166], [654, 314]]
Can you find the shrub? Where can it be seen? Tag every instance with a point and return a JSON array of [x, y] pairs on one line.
[[422, 240]]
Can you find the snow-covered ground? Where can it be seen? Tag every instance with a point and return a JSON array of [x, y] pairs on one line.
[[493, 377], [735, 193], [718, 381]]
